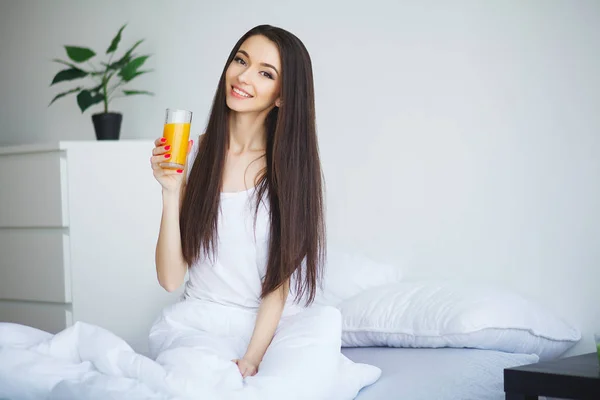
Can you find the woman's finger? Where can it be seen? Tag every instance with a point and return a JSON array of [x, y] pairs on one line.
[[168, 171], [160, 150], [160, 141], [160, 158]]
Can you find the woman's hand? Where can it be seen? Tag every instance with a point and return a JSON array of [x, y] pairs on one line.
[[246, 367], [169, 179]]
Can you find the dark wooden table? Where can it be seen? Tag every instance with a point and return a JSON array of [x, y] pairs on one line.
[[575, 377]]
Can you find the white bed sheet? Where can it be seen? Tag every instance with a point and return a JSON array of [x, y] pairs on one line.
[[440, 374]]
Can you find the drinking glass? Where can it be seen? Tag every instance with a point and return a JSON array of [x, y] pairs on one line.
[[177, 134]]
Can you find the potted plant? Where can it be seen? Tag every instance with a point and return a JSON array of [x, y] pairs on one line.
[[108, 79]]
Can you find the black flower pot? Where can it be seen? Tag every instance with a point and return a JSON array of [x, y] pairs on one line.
[[107, 125]]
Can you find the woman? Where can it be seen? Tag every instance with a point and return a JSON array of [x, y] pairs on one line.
[[246, 222]]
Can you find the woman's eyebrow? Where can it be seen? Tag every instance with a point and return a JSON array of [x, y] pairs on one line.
[[263, 64]]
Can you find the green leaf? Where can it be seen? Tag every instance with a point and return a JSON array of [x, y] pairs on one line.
[[129, 71], [126, 57], [68, 75], [63, 94], [86, 99], [130, 51], [117, 64], [138, 73], [79, 54], [68, 64], [134, 92], [115, 41]]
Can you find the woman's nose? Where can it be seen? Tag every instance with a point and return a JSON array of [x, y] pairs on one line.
[[243, 77]]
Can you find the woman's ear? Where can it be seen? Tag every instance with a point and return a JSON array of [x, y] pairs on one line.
[[278, 102]]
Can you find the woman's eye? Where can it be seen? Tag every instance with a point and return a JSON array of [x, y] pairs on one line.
[[268, 75], [239, 60]]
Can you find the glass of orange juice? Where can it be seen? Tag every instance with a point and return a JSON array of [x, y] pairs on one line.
[[177, 133]]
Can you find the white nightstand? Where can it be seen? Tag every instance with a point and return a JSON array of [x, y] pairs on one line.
[[78, 229]]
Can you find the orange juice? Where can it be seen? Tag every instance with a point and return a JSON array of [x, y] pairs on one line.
[[178, 136]]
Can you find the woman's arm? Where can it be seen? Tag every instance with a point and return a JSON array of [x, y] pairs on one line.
[[269, 314], [170, 264]]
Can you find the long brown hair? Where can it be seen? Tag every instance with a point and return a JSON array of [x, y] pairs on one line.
[[292, 180]]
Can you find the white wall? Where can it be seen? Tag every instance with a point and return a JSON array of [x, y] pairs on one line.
[[459, 138]]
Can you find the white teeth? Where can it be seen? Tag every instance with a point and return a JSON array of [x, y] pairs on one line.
[[241, 93]]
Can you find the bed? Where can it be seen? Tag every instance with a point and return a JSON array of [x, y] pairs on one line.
[[436, 374]]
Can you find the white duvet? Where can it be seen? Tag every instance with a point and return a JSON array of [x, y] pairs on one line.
[[191, 345]]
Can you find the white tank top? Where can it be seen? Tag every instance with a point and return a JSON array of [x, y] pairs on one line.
[[233, 276]]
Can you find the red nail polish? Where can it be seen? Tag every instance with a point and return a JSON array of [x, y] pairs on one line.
[[167, 147], [162, 140], [179, 171], [167, 155]]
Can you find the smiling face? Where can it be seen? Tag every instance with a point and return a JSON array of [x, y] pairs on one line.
[[253, 79]]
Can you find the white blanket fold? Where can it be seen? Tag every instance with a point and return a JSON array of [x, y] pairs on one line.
[[192, 345]]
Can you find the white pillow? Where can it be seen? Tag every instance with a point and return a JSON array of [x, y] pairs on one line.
[[347, 274], [453, 314]]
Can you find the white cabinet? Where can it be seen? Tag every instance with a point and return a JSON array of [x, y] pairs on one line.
[[78, 229]]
